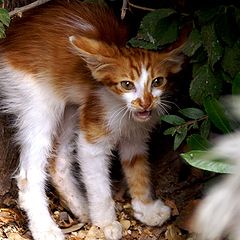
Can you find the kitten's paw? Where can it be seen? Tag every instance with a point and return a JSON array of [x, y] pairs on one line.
[[152, 214], [113, 231], [50, 233]]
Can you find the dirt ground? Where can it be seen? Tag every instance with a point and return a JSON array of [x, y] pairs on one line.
[[176, 183]]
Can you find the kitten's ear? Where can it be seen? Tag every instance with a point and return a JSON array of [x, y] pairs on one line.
[[96, 54], [174, 60]]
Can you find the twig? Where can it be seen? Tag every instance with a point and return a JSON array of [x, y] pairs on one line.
[[124, 9], [19, 11], [190, 122], [140, 7]]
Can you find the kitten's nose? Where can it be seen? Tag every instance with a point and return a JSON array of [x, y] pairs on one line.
[[146, 104]]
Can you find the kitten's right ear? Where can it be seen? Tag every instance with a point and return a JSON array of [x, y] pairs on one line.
[[95, 53]]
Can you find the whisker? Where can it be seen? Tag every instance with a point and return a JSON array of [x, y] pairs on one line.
[[120, 122], [115, 114]]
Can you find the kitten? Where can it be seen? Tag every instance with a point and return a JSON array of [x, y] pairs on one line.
[[74, 53]]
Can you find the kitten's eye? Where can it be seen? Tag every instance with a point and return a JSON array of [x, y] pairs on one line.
[[127, 85], [157, 82]]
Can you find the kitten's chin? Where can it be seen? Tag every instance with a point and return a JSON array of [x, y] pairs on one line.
[[142, 116]]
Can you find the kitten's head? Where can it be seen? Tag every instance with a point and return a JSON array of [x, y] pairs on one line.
[[138, 77]]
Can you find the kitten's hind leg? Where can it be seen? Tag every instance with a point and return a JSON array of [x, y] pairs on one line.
[[61, 169], [37, 124]]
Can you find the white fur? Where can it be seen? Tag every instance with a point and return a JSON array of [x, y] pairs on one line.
[[219, 213], [140, 85], [113, 231], [94, 162], [62, 175], [153, 214], [39, 111]]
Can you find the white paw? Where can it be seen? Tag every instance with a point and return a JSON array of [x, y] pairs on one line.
[[152, 214], [113, 231], [49, 233]]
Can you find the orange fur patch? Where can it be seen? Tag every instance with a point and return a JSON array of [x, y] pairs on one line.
[[137, 173], [92, 119]]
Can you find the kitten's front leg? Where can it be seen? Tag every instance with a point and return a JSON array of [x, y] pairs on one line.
[[94, 162], [137, 172]]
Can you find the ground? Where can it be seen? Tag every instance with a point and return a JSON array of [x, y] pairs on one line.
[[176, 183]]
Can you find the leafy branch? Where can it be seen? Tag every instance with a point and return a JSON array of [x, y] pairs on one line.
[[182, 127]]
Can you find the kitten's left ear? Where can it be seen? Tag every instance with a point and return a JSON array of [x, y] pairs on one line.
[[95, 53], [174, 60]]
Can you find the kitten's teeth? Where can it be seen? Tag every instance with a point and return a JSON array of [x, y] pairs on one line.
[[144, 115]]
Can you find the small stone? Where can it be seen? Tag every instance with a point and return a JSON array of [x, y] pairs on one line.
[[126, 206], [95, 233], [126, 224], [63, 216]]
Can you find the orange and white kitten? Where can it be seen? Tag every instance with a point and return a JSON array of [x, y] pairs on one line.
[[72, 53]]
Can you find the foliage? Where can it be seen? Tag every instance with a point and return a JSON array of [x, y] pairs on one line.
[[213, 49], [197, 158], [4, 21]]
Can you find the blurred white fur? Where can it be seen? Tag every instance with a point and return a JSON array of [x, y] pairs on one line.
[[218, 215]]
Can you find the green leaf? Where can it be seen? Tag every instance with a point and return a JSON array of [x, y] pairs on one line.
[[4, 17], [197, 158], [170, 131], [192, 113], [224, 76], [206, 15], [237, 16], [236, 84], [151, 19], [173, 119], [2, 31], [204, 83], [193, 43], [197, 142], [179, 137], [225, 28], [231, 59], [141, 43], [211, 44], [167, 31], [217, 114], [205, 128], [157, 29]]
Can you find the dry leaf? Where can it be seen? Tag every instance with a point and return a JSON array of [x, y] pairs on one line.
[[8, 215], [15, 236], [173, 206], [73, 228], [173, 233]]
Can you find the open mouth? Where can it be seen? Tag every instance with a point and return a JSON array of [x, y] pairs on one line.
[[142, 115]]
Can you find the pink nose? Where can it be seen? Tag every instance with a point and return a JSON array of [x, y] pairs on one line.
[[145, 104]]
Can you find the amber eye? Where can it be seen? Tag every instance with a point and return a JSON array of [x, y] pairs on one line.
[[127, 85], [157, 82]]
